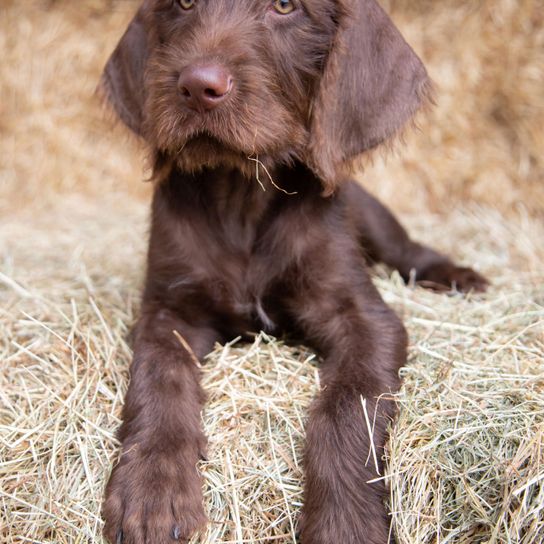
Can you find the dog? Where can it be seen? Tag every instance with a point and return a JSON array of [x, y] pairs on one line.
[[253, 111]]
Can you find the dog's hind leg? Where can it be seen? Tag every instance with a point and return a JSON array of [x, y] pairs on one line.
[[385, 240]]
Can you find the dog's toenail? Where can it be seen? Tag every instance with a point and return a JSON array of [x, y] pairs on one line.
[[176, 533], [119, 537]]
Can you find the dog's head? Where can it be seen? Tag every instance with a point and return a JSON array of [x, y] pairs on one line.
[[211, 82]]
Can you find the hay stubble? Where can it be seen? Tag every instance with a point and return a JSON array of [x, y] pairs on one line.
[[465, 462], [465, 458]]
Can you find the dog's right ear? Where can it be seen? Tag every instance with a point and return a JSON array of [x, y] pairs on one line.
[[122, 81]]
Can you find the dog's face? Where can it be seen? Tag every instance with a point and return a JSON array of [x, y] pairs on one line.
[[220, 82], [260, 59]]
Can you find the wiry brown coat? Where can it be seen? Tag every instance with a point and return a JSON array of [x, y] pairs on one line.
[[306, 93]]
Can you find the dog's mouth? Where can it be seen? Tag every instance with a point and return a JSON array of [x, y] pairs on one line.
[[242, 129]]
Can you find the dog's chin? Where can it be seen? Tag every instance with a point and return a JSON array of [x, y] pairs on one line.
[[206, 151], [206, 145]]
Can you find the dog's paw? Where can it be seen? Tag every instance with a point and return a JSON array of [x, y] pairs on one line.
[[153, 500], [446, 276]]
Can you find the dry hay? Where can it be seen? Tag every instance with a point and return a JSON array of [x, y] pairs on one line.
[[466, 455]]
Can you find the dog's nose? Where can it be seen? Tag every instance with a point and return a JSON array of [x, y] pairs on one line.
[[204, 87]]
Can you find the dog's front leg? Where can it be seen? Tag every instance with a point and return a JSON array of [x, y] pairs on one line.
[[363, 344], [154, 493]]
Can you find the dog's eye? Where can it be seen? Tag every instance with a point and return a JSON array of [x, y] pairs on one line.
[[187, 4], [284, 6]]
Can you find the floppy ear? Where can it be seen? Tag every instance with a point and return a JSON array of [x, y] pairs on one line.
[[123, 78], [372, 85]]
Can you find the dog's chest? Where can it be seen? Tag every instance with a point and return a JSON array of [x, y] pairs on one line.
[[228, 257], [231, 273], [232, 247]]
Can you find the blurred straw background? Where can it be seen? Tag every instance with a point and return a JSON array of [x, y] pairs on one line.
[[465, 461]]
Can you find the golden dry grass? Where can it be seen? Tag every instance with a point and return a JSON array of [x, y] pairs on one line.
[[466, 456]]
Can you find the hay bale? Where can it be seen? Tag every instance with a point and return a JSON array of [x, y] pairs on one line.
[[465, 461]]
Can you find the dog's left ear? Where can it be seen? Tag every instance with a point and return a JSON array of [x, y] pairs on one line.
[[122, 81], [372, 85]]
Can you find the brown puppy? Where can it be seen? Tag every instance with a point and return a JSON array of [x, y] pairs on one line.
[[234, 97]]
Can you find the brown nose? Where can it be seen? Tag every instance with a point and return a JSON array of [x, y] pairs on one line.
[[204, 87]]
